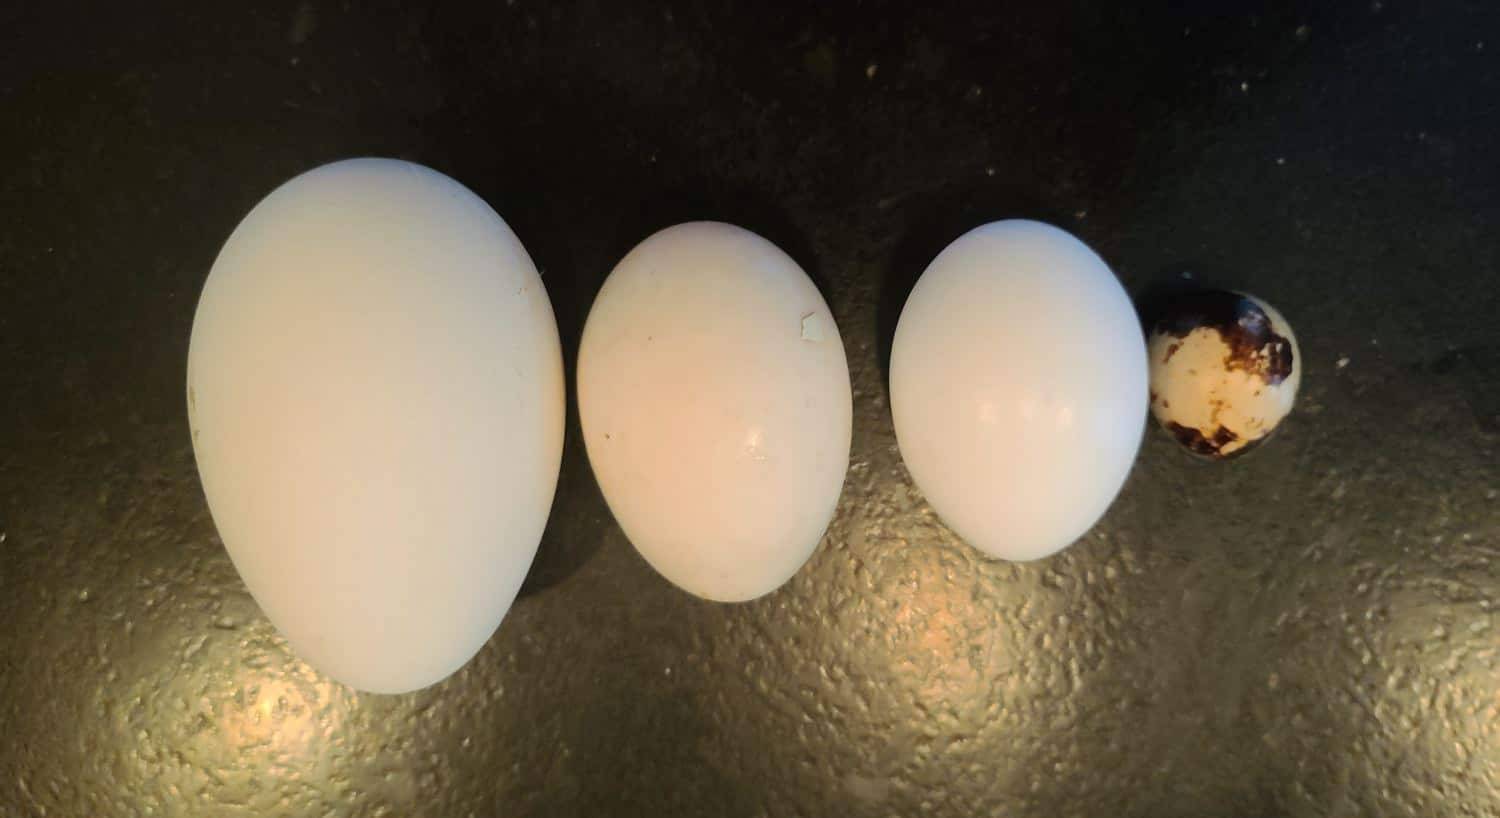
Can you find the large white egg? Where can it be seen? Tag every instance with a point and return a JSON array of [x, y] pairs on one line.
[[376, 395], [1018, 387], [715, 403]]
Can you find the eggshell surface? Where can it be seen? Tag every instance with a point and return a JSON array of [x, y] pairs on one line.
[[715, 402], [375, 391], [1018, 387]]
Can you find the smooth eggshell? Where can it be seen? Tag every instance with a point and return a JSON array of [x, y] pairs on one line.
[[1018, 387], [376, 396], [715, 403]]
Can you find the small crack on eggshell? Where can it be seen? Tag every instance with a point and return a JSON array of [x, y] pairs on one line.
[[812, 328]]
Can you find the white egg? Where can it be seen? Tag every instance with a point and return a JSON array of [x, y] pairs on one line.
[[1018, 387], [375, 390], [716, 410]]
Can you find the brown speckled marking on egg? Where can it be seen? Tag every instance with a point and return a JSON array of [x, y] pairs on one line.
[[1254, 345], [1207, 446]]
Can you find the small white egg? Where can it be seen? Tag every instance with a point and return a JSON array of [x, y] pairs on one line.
[[375, 391], [715, 403], [1018, 387], [1224, 371]]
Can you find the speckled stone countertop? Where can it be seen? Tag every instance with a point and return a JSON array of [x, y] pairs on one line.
[[1307, 631]]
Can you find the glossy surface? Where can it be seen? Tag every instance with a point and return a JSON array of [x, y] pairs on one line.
[[375, 392], [1225, 368], [1018, 387], [714, 400], [1308, 631]]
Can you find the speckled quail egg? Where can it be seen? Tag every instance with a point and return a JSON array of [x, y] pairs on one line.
[[1224, 371]]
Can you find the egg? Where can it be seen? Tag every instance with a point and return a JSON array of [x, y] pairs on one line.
[[1224, 371], [714, 397], [375, 392], [1018, 387]]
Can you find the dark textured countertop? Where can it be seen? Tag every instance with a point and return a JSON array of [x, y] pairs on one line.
[[1309, 631]]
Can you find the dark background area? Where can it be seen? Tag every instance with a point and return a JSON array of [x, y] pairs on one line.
[[1308, 631]]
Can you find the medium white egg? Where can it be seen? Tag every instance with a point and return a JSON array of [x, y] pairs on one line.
[[1018, 387], [716, 411], [375, 391]]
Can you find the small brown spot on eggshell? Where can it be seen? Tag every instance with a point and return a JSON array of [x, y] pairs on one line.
[[1171, 350]]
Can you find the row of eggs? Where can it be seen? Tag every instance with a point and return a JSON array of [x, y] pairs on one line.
[[376, 396]]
